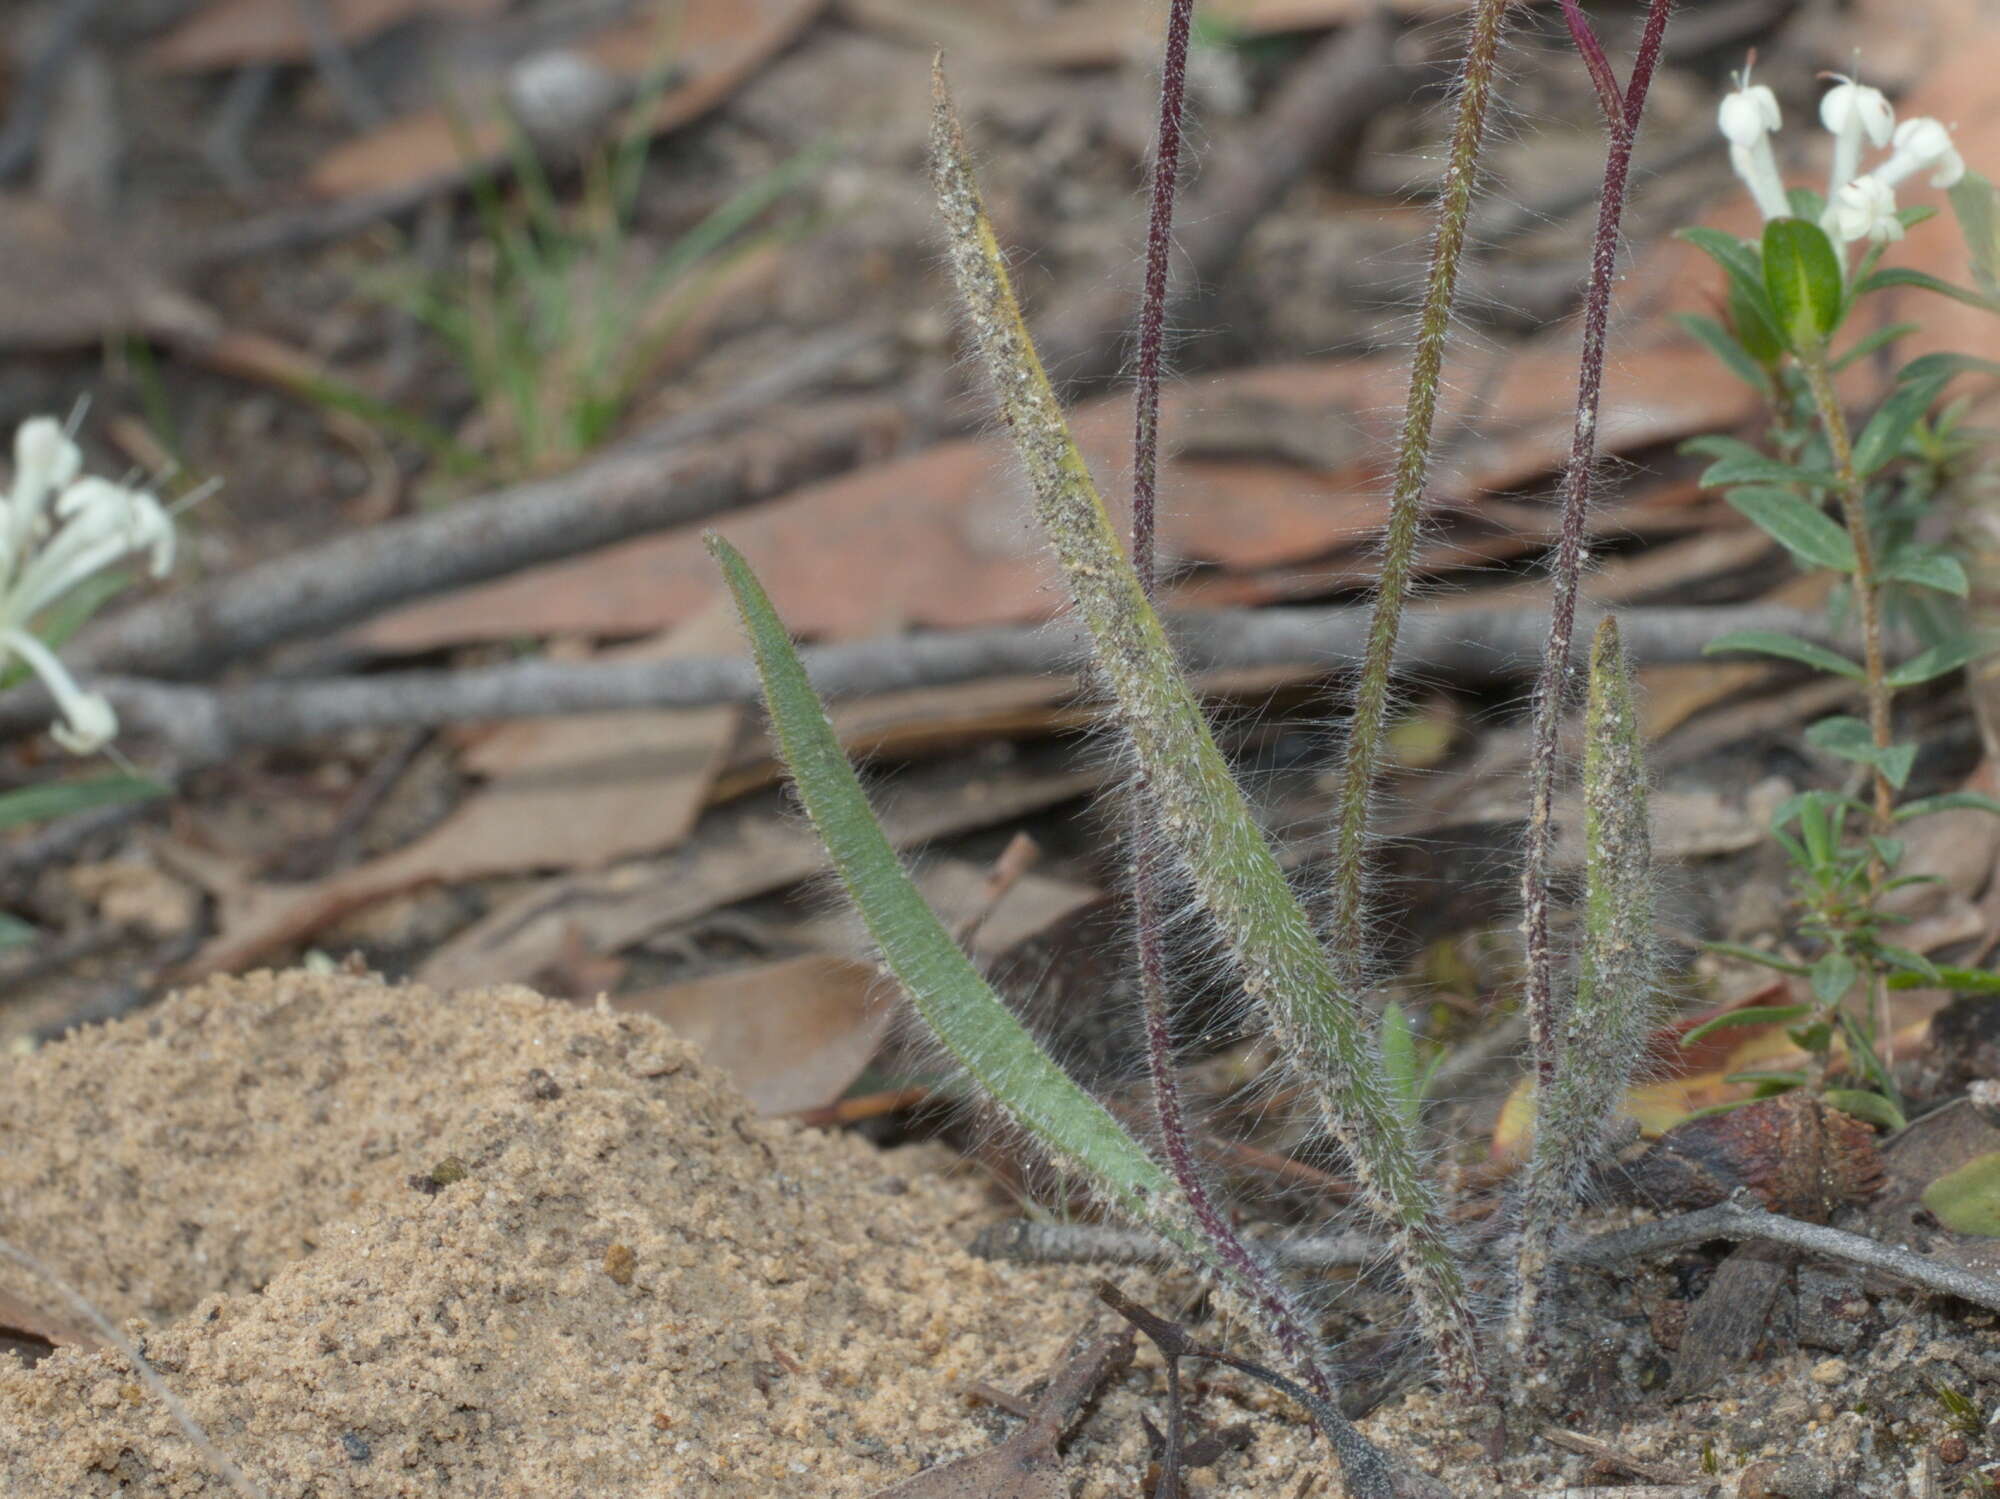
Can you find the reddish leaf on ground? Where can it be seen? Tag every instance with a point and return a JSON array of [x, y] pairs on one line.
[[712, 45], [239, 33], [946, 544], [792, 1035]]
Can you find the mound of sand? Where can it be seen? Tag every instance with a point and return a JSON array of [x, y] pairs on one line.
[[387, 1243]]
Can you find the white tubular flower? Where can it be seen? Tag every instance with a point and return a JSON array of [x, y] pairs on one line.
[[1864, 209], [57, 530], [1923, 145], [45, 460], [88, 722], [1851, 110], [1747, 118]]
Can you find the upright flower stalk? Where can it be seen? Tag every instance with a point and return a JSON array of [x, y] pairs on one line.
[[1545, 1016], [1370, 710]]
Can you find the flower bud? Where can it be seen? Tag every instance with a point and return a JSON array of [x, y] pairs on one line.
[[1923, 144], [1749, 115], [1854, 109]]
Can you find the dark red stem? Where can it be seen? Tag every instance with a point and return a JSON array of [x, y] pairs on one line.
[[1567, 572], [1592, 52]]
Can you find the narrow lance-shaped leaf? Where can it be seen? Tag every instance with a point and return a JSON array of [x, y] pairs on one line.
[[960, 1007], [1605, 1028], [1202, 813]]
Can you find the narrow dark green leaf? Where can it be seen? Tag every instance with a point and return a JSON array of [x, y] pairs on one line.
[[1871, 1108], [1950, 801], [1958, 980], [1927, 567], [1747, 1016], [1728, 348], [1902, 960], [1832, 976], [1899, 275], [1882, 439], [1881, 338], [1773, 643], [1938, 661], [1851, 739], [1757, 955], [1803, 278], [61, 798], [1800, 527]]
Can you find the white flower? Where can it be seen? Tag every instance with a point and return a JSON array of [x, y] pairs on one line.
[[57, 530], [1864, 209], [1923, 145], [1851, 110], [1749, 115]]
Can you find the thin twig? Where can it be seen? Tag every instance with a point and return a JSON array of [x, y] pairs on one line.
[[1741, 1220], [190, 1428], [1028, 1242], [202, 725]]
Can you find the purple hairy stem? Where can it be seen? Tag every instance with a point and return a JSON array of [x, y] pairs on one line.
[[1567, 572], [1153, 300], [1148, 873], [1592, 52]]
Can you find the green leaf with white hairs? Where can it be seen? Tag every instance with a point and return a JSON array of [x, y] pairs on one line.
[[959, 1006], [1200, 811], [1800, 527], [1804, 281], [1790, 647]]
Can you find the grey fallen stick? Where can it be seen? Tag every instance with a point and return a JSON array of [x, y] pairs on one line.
[[203, 725]]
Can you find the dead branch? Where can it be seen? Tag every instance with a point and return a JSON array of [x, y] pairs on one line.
[[203, 725], [309, 593], [1740, 1219]]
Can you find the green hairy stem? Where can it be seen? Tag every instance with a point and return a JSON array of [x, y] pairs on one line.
[[1202, 814], [1604, 1027], [1346, 918]]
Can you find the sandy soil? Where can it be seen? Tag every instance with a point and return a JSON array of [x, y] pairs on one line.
[[385, 1243]]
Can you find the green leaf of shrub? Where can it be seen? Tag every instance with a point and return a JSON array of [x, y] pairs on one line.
[[1747, 1016], [1798, 526], [1872, 1108], [1899, 275], [1728, 348], [1927, 567], [1972, 203], [1950, 801], [1776, 643], [1882, 439], [1851, 739], [1879, 339], [1958, 980], [1804, 281], [1967, 1201], [61, 798], [1938, 661], [1832, 976]]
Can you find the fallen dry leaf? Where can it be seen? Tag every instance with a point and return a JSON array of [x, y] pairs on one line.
[[792, 1034], [66, 284], [1098, 33], [240, 33], [713, 45], [749, 848], [30, 1322], [946, 543], [569, 793]]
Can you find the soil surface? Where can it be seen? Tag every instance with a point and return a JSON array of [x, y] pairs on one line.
[[384, 1242]]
